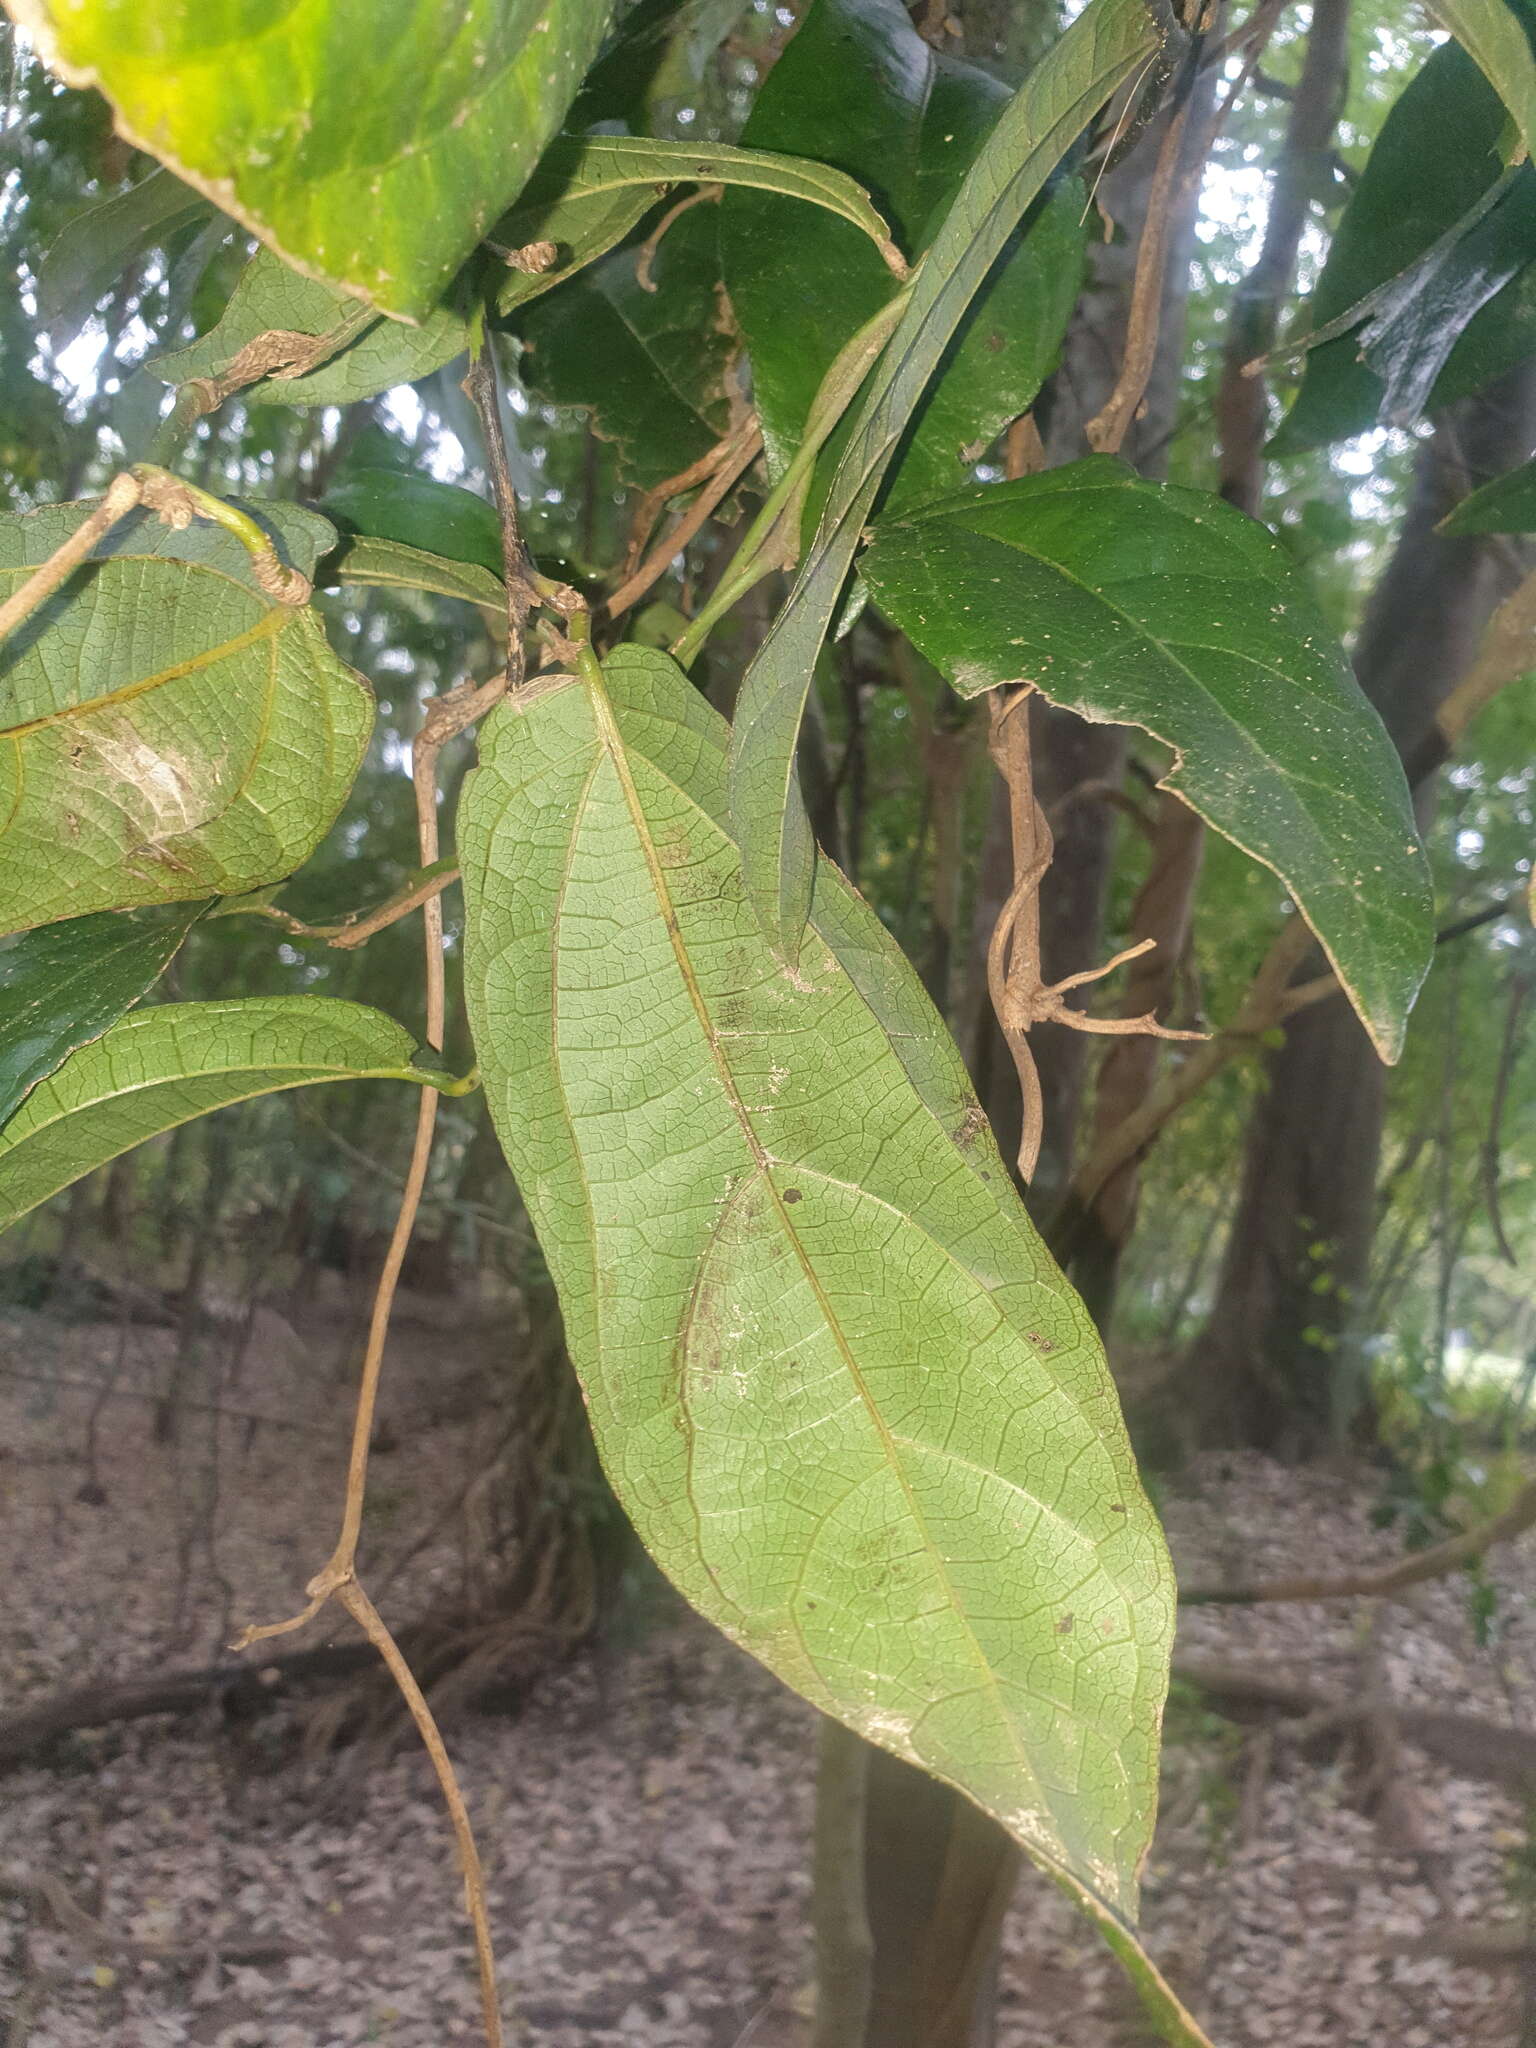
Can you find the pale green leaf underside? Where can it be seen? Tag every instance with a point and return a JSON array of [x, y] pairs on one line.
[[392, 565], [166, 730], [590, 190], [370, 142], [851, 1405], [1152, 605], [269, 298], [161, 1067], [1108, 44]]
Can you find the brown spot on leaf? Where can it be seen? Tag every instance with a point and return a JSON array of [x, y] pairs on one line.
[[792, 1194], [1065, 1626]]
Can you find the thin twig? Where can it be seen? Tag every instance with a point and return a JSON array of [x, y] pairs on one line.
[[1020, 995], [359, 925], [1435, 1563], [368, 1619], [740, 451], [1109, 426], [1509, 1053], [445, 717], [122, 495]]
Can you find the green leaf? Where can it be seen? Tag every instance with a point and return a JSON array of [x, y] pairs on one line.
[[163, 1066], [858, 86], [1421, 316], [852, 1408], [387, 565], [1108, 44], [166, 730], [86, 259], [1146, 604], [1433, 164], [369, 142], [1494, 37], [649, 365], [1507, 505], [440, 519], [356, 356], [590, 190], [62, 986]]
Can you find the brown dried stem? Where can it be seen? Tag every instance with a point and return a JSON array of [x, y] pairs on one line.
[[1435, 1563], [445, 717], [718, 471], [1020, 995]]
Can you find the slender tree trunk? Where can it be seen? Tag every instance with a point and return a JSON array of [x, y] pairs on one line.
[[1278, 1364]]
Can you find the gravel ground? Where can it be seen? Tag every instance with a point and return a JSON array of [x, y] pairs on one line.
[[645, 1816]]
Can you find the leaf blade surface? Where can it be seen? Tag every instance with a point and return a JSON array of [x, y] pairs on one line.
[[853, 1408], [1149, 604], [160, 1067], [167, 731]]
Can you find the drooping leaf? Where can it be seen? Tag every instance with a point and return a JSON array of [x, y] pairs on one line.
[[1496, 39], [1433, 163], [1507, 505], [88, 256], [851, 1406], [161, 1067], [1148, 604], [357, 356], [438, 518], [590, 190], [388, 565], [371, 142], [64, 984], [167, 731], [650, 365], [1108, 44], [1414, 327], [859, 87]]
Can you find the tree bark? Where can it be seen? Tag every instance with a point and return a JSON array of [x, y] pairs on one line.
[[1279, 1364]]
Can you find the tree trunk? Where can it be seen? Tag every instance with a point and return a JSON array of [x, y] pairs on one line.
[[1278, 1365]]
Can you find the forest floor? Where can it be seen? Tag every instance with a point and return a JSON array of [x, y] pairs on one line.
[[644, 1813]]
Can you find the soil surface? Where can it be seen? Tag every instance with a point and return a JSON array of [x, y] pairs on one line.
[[644, 1812]]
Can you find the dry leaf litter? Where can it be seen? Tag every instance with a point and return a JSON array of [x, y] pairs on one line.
[[644, 1812]]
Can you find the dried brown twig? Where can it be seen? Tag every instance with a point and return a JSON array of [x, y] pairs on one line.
[[1020, 995], [717, 472], [445, 717]]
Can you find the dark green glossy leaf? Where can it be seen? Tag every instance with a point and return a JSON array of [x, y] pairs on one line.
[[1146, 604], [371, 142], [1435, 160], [360, 355], [87, 258], [65, 984], [161, 1067], [851, 1406], [440, 519], [1107, 45], [650, 366], [1507, 505], [170, 732], [858, 87], [1422, 315], [590, 190]]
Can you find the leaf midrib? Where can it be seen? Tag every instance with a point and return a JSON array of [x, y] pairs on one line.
[[611, 743]]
